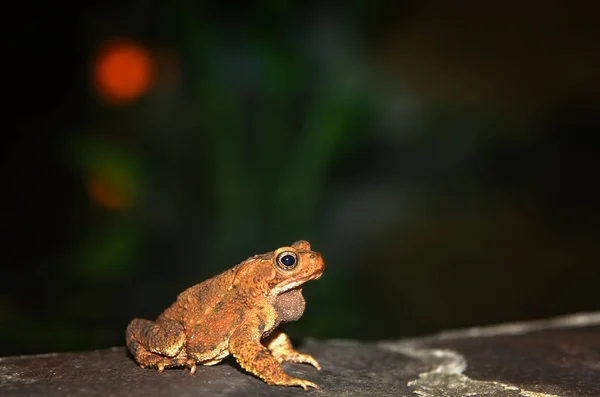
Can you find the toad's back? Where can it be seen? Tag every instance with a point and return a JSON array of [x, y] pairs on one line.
[[197, 302]]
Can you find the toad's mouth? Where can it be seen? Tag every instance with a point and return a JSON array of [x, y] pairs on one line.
[[287, 285]]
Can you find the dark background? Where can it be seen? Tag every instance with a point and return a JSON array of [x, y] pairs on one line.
[[443, 159]]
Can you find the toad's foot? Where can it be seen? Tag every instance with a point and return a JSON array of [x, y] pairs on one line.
[[191, 365], [303, 383], [296, 357], [281, 347], [162, 363]]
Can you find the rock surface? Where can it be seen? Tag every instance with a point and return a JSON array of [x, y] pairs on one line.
[[556, 357]]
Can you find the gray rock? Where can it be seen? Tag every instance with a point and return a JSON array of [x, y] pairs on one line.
[[556, 357]]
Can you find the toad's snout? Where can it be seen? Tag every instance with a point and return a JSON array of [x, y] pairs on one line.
[[317, 262]]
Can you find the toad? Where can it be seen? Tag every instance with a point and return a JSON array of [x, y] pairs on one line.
[[237, 312]]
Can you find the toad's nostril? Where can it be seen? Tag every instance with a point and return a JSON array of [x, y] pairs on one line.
[[313, 256]]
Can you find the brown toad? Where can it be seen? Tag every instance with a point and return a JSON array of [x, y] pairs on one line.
[[232, 313]]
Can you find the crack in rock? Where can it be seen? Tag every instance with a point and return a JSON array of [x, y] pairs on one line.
[[447, 378]]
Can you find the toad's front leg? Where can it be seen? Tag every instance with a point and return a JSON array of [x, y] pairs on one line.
[[245, 346], [281, 347]]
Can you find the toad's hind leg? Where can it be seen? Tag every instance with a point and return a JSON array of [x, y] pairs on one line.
[[157, 344], [147, 359]]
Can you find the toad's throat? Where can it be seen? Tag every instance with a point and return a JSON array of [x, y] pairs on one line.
[[291, 284], [289, 305]]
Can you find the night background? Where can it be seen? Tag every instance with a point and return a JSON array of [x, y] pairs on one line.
[[443, 160]]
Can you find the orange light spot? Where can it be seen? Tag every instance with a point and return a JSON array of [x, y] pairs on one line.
[[108, 194], [124, 70]]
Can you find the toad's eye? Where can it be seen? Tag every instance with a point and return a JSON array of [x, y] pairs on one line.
[[287, 260]]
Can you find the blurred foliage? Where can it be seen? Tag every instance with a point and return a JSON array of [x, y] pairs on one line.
[[273, 122]]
